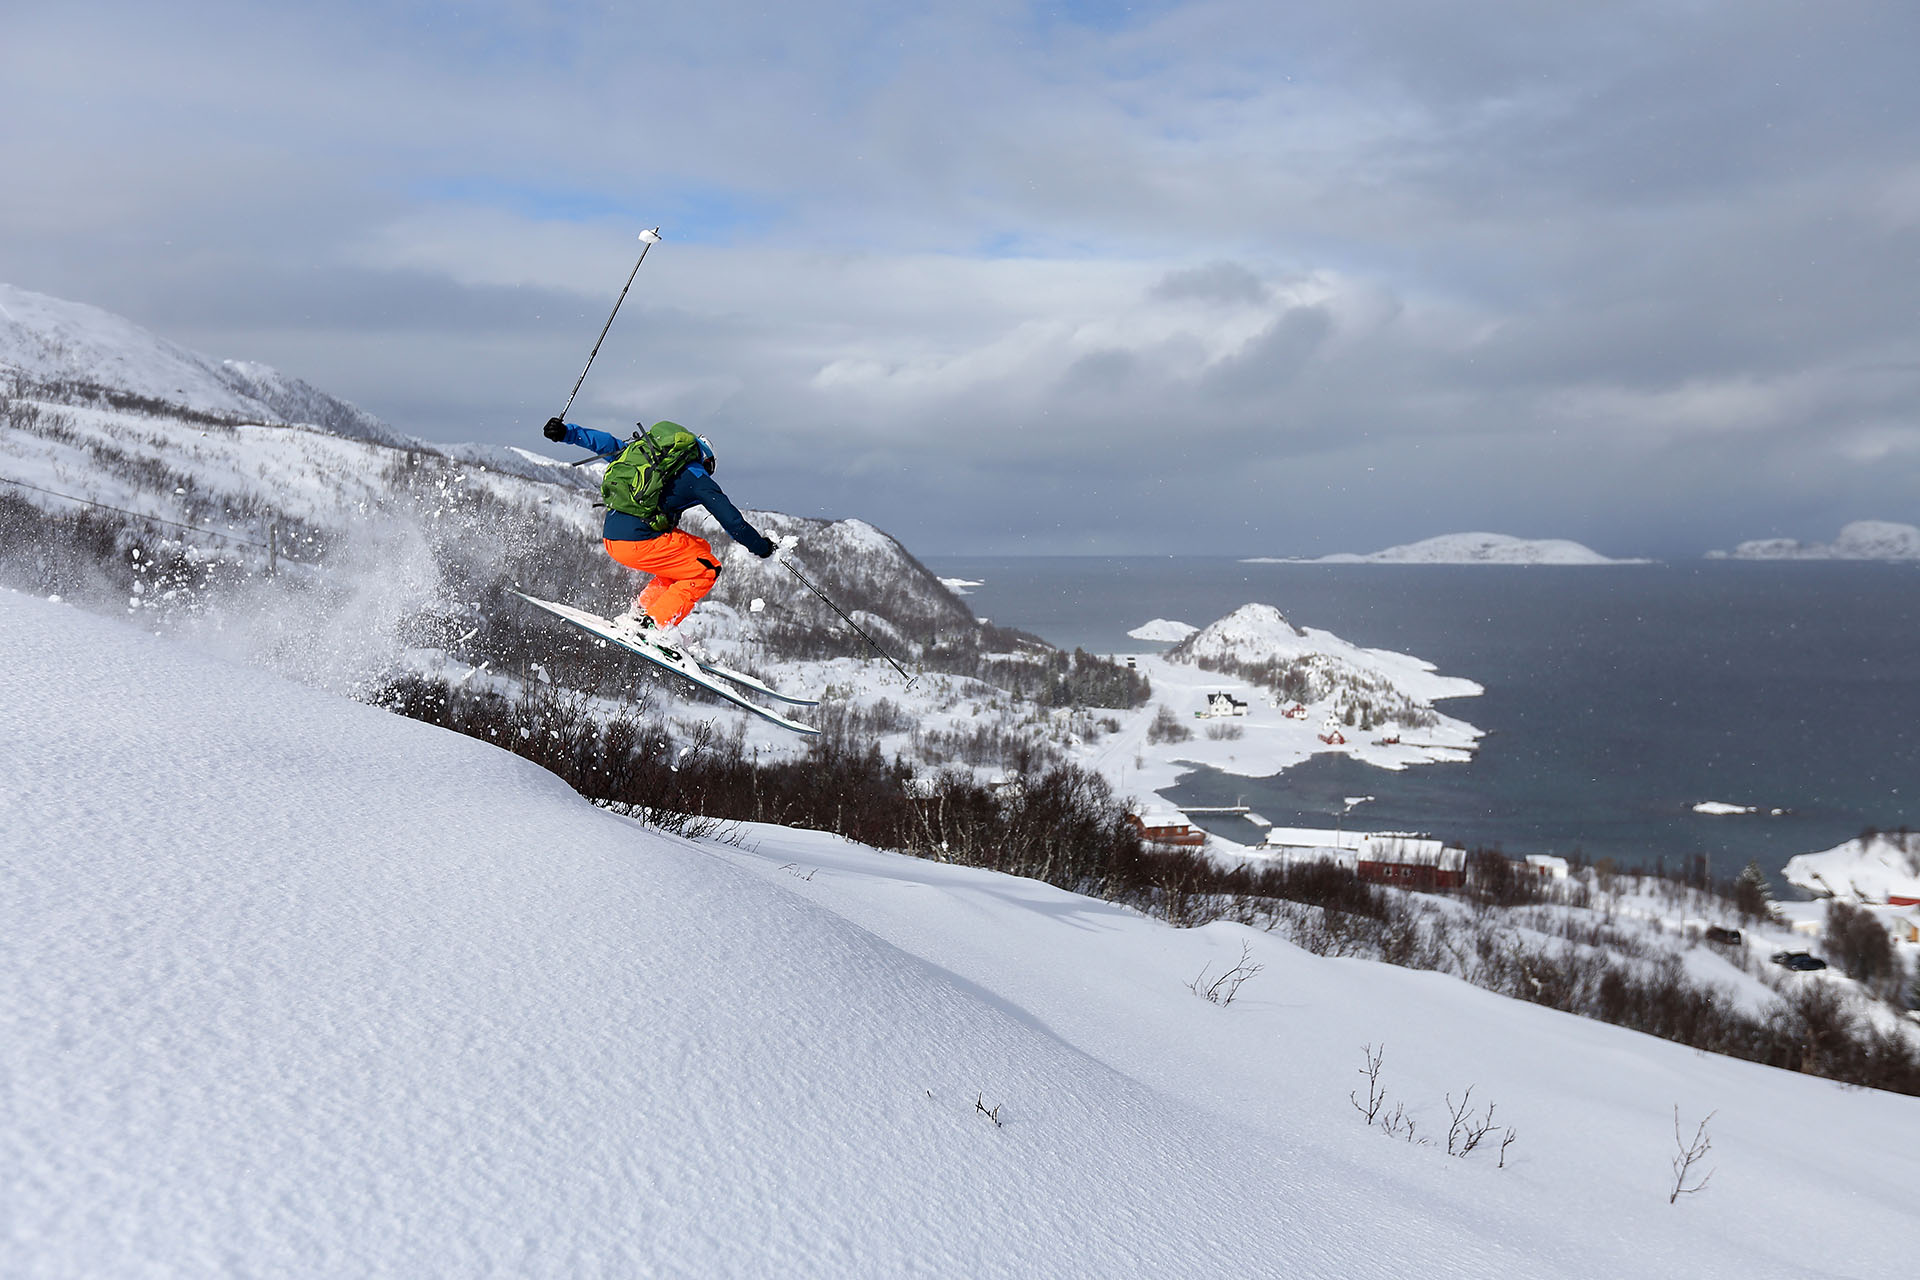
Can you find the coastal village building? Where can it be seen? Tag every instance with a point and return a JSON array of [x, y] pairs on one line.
[[1224, 704], [1546, 866], [1406, 860], [1412, 862], [1167, 826]]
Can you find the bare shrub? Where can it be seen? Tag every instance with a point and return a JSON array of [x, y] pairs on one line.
[[1465, 1130], [1224, 988], [1687, 1154], [1861, 947], [1167, 727], [1376, 1092]]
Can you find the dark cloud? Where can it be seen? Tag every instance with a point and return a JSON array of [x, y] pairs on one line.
[[1222, 282]]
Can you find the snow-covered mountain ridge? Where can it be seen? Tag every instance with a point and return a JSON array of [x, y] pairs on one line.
[[46, 340], [1470, 548], [417, 1009]]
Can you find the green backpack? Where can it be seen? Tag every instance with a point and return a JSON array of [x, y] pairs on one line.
[[640, 475]]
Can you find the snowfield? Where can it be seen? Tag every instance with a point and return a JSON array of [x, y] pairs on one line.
[[292, 986]]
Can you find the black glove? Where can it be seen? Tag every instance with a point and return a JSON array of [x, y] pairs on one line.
[[556, 429]]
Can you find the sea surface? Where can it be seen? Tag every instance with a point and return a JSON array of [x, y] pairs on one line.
[[1617, 696]]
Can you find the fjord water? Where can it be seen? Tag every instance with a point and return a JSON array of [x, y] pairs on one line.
[[1617, 696]]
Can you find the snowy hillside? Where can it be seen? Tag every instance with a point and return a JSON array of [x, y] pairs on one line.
[[1861, 540], [1870, 868], [1473, 548], [402, 1004], [47, 340], [141, 476]]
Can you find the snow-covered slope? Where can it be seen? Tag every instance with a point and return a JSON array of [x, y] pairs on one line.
[[290, 986], [1474, 548], [1866, 869], [1861, 540], [50, 340]]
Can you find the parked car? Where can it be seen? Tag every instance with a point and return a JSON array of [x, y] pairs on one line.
[[1798, 961], [1726, 937]]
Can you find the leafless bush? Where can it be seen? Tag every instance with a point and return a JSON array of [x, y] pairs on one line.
[[1465, 1130], [1224, 988], [1861, 947], [1376, 1092], [1398, 1124], [1167, 727], [1687, 1154]]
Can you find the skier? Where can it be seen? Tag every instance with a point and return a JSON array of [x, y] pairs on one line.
[[641, 530]]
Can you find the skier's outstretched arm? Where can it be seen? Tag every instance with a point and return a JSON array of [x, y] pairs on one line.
[[600, 442], [709, 495]]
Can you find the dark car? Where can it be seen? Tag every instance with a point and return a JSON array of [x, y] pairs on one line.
[[1724, 936], [1798, 961]]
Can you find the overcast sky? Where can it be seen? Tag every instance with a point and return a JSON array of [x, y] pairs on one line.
[[1236, 277]]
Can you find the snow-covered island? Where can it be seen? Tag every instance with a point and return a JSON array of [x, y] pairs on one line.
[[1163, 630], [1466, 548], [1861, 540], [1252, 694], [1880, 867]]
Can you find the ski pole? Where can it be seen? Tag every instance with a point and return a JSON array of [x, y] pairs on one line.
[[871, 643], [648, 239]]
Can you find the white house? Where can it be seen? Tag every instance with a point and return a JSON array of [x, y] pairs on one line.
[[1224, 704]]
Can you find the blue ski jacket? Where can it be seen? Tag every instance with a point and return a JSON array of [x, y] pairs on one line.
[[693, 487]]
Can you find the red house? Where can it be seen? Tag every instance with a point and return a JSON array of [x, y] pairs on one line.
[[1167, 827], [1412, 862]]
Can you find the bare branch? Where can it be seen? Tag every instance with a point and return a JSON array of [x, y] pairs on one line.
[[1224, 988], [1376, 1092], [1687, 1154]]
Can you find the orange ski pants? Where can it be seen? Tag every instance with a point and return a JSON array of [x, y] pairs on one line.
[[683, 567]]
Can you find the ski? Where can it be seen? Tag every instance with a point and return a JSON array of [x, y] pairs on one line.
[[746, 681], [709, 676]]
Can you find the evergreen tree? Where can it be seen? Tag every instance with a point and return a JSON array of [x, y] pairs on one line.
[[1752, 895]]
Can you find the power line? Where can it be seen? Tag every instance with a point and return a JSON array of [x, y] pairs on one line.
[[138, 515]]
